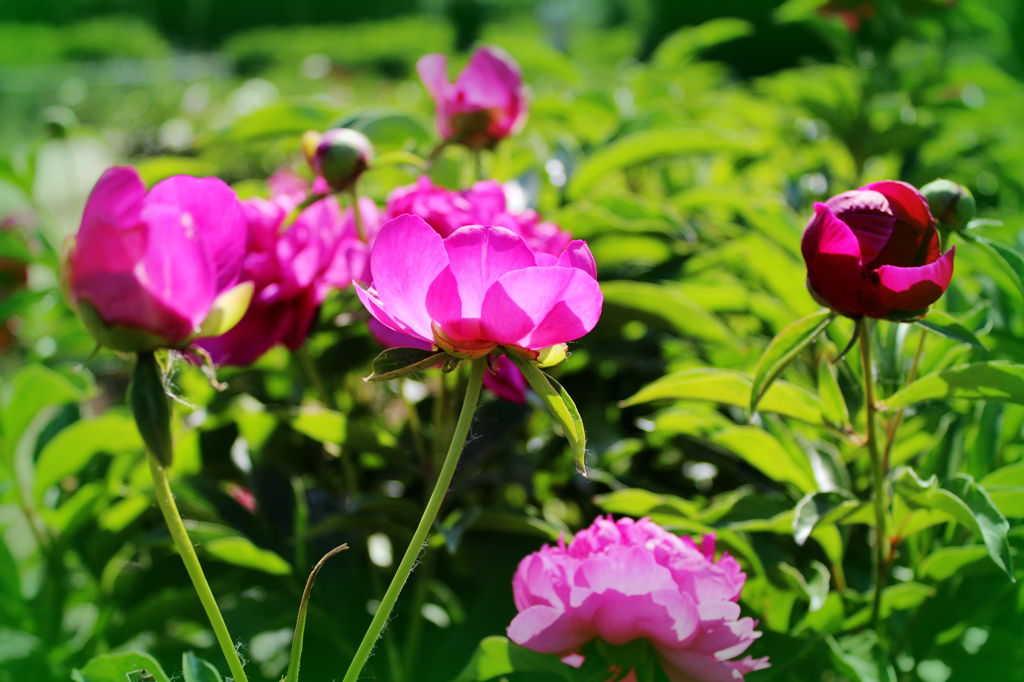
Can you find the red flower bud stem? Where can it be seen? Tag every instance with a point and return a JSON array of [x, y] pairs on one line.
[[877, 476], [419, 537]]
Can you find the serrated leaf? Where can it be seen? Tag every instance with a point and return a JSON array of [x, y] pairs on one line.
[[497, 656], [559, 404], [729, 387], [997, 381], [946, 325], [195, 669], [783, 348], [820, 508], [395, 363]]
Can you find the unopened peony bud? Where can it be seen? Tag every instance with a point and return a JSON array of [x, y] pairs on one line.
[[952, 204], [339, 155]]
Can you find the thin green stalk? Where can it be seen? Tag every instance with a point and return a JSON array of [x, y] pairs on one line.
[[478, 164], [894, 425], [419, 537], [183, 544], [357, 216], [877, 476], [295, 659]]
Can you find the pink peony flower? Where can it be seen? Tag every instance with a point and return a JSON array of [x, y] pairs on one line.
[[485, 104], [874, 252], [479, 288], [146, 268], [484, 203], [628, 580], [293, 269]]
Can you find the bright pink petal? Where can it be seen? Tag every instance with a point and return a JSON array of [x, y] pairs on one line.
[[548, 630], [912, 289], [869, 216], [907, 203], [689, 666], [478, 256], [491, 80], [217, 215], [370, 300], [116, 199], [832, 255], [391, 339], [577, 255], [506, 381], [407, 257], [541, 306]]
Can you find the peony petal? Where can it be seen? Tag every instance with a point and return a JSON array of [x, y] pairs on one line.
[[577, 255], [506, 381], [906, 202], [869, 216], [912, 289], [218, 219], [407, 257], [116, 199], [372, 303], [388, 337], [490, 79], [540, 306], [832, 255], [548, 630], [433, 71], [690, 666], [478, 256]]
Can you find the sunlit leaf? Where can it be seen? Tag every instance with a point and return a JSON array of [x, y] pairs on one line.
[[195, 669], [120, 668], [239, 551], [783, 348], [497, 656], [996, 380], [946, 325]]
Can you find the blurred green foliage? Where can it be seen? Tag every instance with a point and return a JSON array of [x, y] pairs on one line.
[[691, 178]]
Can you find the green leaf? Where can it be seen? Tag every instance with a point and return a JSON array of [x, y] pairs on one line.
[[833, 404], [682, 45], [121, 668], [76, 445], [816, 589], [860, 657], [32, 389], [729, 388], [295, 657], [996, 381], [762, 451], [651, 145], [277, 120], [395, 363], [964, 501], [151, 407], [559, 404], [497, 656], [1009, 260], [639, 502], [946, 325], [667, 304], [240, 551], [820, 508], [945, 562], [783, 348], [195, 669], [323, 426]]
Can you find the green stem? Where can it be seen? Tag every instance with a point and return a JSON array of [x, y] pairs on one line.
[[357, 216], [295, 659], [419, 537], [183, 544], [894, 425], [478, 164], [348, 473], [877, 476]]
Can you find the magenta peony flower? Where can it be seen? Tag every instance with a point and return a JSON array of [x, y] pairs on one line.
[[292, 270], [874, 252], [484, 203], [628, 580], [485, 104], [479, 288], [147, 268]]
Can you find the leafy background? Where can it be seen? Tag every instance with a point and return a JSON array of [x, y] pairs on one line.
[[687, 145]]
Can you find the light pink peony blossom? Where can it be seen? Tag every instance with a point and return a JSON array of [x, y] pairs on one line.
[[874, 252], [293, 269], [485, 104], [147, 267], [484, 203], [628, 580], [479, 288]]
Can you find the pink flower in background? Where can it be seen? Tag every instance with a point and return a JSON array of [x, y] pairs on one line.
[[147, 267], [485, 104], [628, 580], [874, 252], [484, 203], [479, 288], [292, 269]]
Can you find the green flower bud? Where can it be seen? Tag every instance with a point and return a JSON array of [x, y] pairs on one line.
[[952, 204]]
